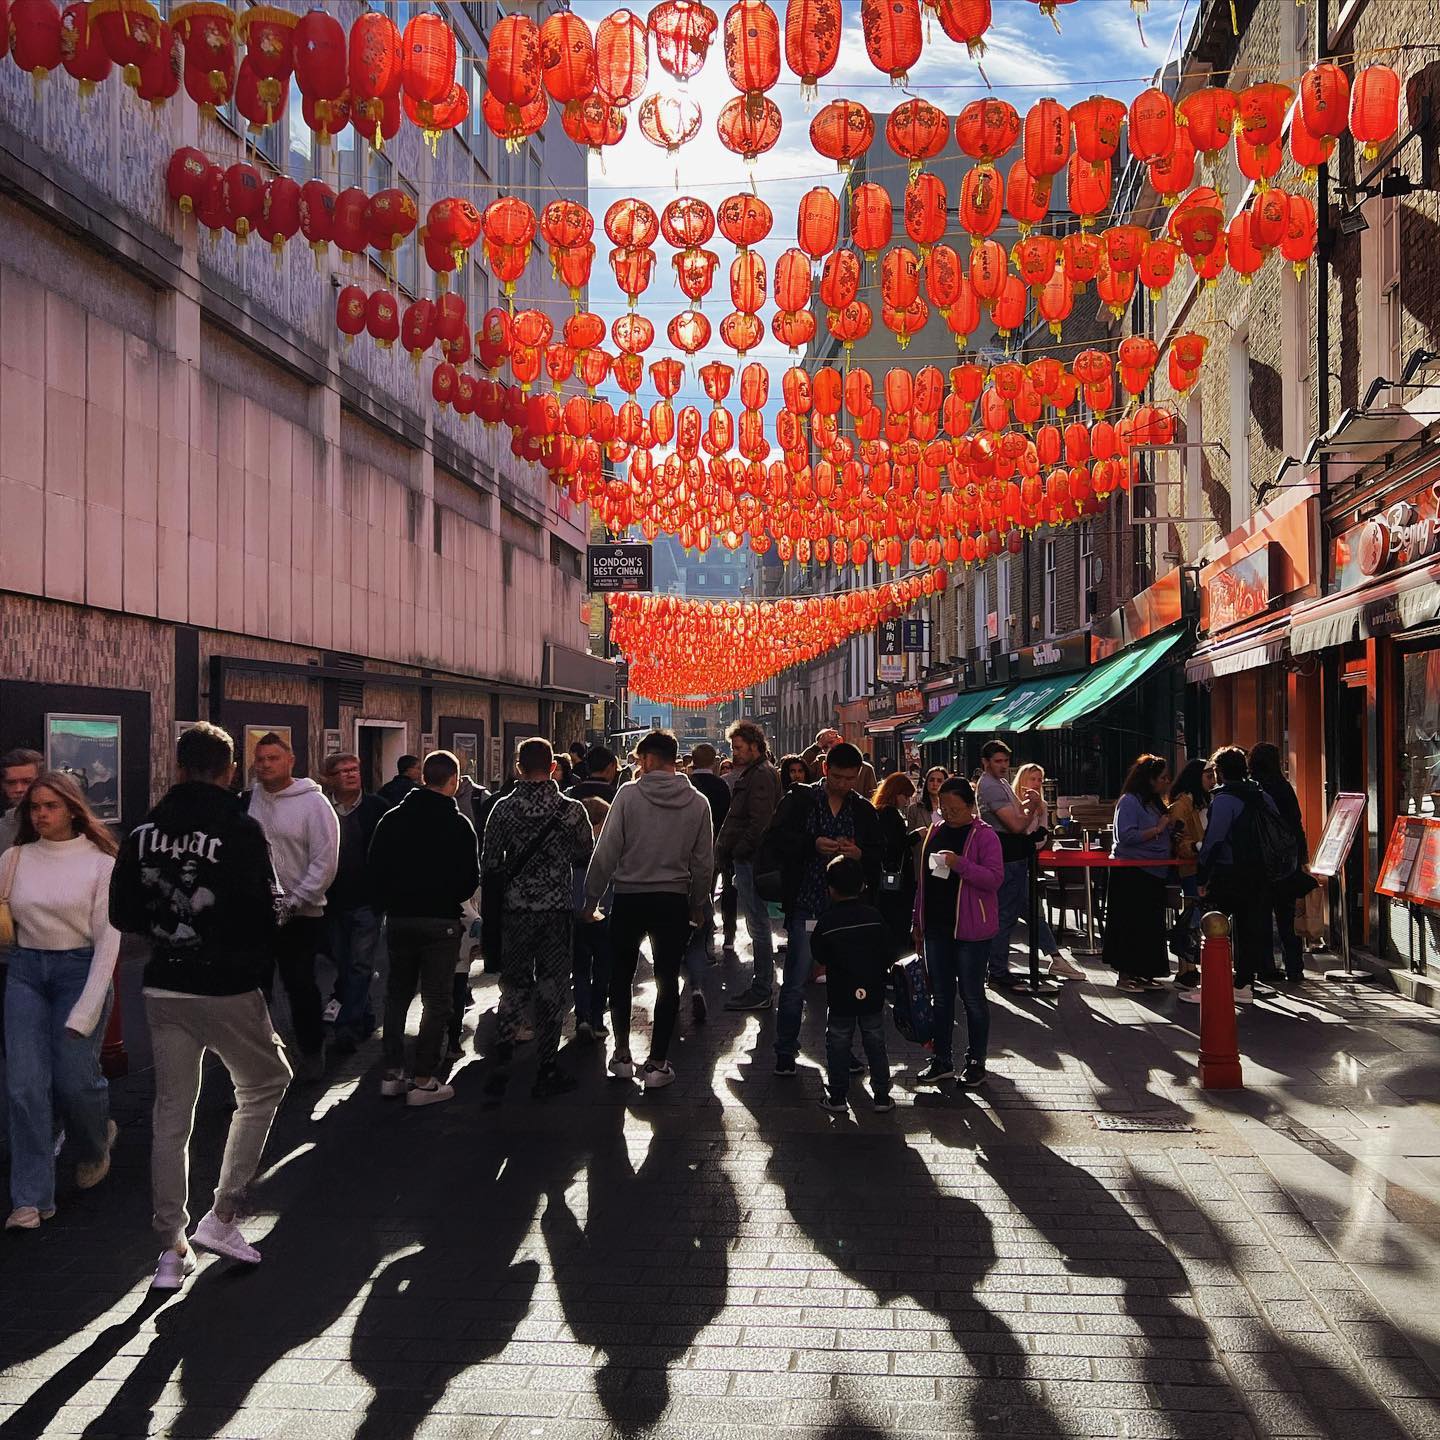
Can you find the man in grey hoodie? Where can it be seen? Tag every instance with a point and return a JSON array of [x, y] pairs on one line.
[[304, 835], [657, 850]]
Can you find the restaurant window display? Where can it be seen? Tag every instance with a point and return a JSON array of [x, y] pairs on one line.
[[1417, 747]]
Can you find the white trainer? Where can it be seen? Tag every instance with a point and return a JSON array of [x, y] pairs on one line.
[[394, 1084], [213, 1233], [657, 1077], [622, 1067], [172, 1270], [431, 1094]]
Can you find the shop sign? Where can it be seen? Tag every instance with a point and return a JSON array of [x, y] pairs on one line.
[[1411, 868], [912, 634], [1243, 590], [612, 569], [909, 702], [890, 669], [1404, 532], [1071, 652], [934, 704], [882, 705]]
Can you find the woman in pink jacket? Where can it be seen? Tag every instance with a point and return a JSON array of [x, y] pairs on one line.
[[956, 915]]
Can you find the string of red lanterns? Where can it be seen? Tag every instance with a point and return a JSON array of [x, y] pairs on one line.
[[691, 652]]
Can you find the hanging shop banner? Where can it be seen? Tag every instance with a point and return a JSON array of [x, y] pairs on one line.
[[1344, 820], [909, 702], [912, 633], [1243, 590], [1048, 657], [889, 650], [613, 569]]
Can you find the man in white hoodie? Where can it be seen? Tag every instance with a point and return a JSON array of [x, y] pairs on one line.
[[304, 835], [657, 849]]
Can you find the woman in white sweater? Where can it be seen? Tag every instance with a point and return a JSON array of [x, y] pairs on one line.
[[57, 993]]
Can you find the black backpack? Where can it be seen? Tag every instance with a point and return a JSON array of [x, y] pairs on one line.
[[1262, 842]]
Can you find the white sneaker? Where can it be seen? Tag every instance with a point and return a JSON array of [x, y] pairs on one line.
[[27, 1217], [172, 1269], [657, 1077], [1066, 969], [622, 1067], [213, 1233], [1244, 995], [394, 1084], [1192, 996], [431, 1094]]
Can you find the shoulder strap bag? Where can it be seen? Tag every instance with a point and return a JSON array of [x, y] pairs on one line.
[[11, 863]]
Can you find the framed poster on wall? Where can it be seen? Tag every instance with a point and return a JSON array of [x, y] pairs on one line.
[[87, 748], [497, 754], [466, 745], [331, 743]]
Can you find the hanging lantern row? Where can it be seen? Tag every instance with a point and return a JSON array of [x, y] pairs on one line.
[[692, 651]]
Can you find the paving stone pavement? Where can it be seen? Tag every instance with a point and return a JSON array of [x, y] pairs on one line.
[[722, 1259]]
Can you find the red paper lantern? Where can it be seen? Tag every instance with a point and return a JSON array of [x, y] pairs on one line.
[[82, 52], [279, 214], [1096, 123], [872, 219], [1152, 125], [243, 198], [1374, 108], [589, 122], [1088, 188], [631, 222], [350, 307], [1026, 197], [842, 131], [1298, 242], [1324, 100], [268, 33], [794, 329], [988, 270], [321, 57], [390, 217], [812, 40], [130, 30], [925, 209], [427, 62], [893, 35], [793, 281], [987, 129], [260, 99], [695, 272], [36, 36], [752, 46], [1209, 116], [622, 57], [382, 318], [417, 328], [567, 57], [683, 31], [1047, 138], [741, 331], [1157, 266], [818, 222], [687, 222], [1173, 174], [185, 177], [1260, 114], [747, 128], [965, 22], [917, 131], [1008, 311], [747, 281], [207, 31], [326, 118], [900, 277], [840, 279], [632, 265], [1260, 163], [1035, 258], [375, 67], [317, 216], [669, 121], [981, 201], [514, 70], [744, 219], [1242, 247]]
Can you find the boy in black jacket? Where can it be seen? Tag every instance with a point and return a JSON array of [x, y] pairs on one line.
[[854, 944], [195, 879]]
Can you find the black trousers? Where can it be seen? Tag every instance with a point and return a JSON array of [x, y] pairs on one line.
[[296, 946], [729, 904], [664, 919], [1246, 899]]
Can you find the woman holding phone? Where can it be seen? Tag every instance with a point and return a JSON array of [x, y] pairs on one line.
[[1135, 910]]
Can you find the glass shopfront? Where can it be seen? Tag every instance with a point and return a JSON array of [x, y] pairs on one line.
[[1417, 743]]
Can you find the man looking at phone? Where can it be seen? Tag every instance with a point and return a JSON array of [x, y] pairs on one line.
[[813, 825]]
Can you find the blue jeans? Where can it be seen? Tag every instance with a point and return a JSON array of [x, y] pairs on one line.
[[840, 1036], [49, 1071], [757, 922], [1014, 891], [793, 981], [352, 937], [592, 971], [961, 963]]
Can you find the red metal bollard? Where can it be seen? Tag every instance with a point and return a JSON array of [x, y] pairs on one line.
[[114, 1062], [1219, 1040]]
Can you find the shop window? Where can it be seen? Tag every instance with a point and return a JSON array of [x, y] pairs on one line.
[[1240, 494], [465, 72], [980, 592], [1088, 572], [1419, 747], [300, 140]]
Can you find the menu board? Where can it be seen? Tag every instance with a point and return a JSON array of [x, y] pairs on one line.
[[1424, 886], [1401, 856], [1344, 820]]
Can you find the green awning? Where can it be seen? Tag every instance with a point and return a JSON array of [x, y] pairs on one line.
[[962, 708], [1020, 706], [1107, 681]]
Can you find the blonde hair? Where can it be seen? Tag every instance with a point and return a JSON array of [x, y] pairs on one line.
[[1024, 771]]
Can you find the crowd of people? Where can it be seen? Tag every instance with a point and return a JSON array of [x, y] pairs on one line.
[[557, 880]]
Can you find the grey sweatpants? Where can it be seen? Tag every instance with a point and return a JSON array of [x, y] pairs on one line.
[[239, 1030]]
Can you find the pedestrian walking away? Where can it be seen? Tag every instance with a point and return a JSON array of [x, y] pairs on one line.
[[958, 886], [855, 944], [196, 881], [405, 779], [702, 776], [1232, 874], [424, 864], [1135, 939], [1267, 773], [813, 824], [657, 850], [1009, 816], [755, 791], [352, 921], [56, 877], [534, 838], [592, 955], [304, 836], [601, 778]]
